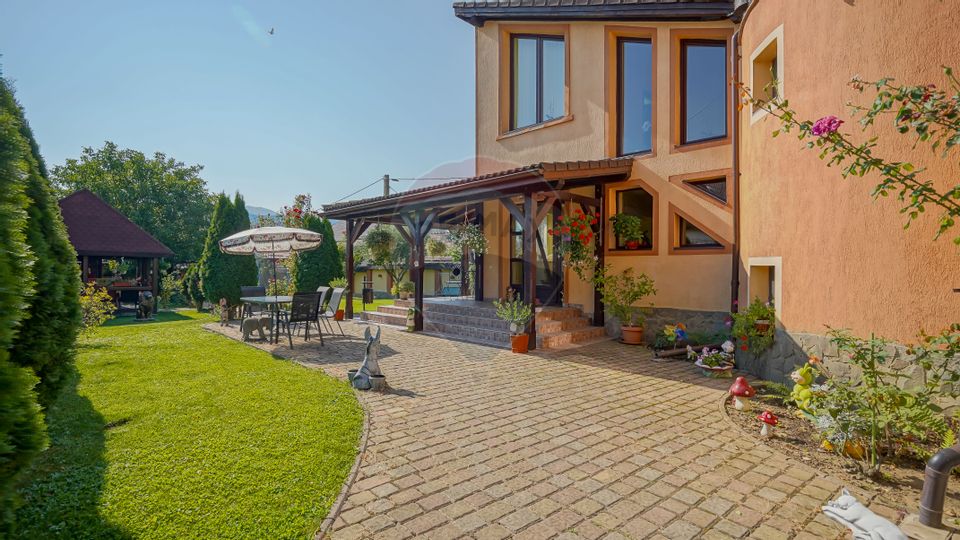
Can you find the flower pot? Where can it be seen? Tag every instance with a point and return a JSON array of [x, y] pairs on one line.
[[351, 373], [632, 244], [338, 316], [719, 372], [761, 326], [404, 295], [632, 335], [519, 343], [378, 383]]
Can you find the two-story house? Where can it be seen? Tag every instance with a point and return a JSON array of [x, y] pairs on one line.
[[632, 107]]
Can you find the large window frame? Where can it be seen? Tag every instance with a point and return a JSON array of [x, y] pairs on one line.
[[539, 91], [621, 118], [700, 42], [505, 93], [722, 245]]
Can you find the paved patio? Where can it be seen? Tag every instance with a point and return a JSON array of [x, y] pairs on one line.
[[596, 442]]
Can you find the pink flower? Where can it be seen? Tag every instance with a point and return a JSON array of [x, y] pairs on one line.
[[826, 125]]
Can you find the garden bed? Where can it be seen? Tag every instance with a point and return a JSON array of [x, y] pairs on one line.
[[899, 488]]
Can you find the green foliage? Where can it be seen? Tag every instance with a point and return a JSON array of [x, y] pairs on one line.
[[22, 434], [876, 411], [627, 227], [172, 294], [171, 422], [317, 267], [388, 250], [574, 242], [96, 307], [406, 286], [515, 311], [621, 291], [166, 198], [436, 248], [222, 275], [190, 283], [469, 236], [745, 326], [338, 283], [930, 114]]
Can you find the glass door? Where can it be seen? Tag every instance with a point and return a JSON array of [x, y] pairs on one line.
[[549, 266]]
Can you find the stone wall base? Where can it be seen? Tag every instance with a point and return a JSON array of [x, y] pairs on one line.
[[696, 321]]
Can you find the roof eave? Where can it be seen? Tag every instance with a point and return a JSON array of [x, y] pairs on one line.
[[697, 11]]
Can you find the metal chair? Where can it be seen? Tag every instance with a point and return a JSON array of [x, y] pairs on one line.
[[332, 306], [303, 309], [249, 310], [324, 298]]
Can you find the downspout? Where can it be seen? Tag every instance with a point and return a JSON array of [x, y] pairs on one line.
[[735, 129]]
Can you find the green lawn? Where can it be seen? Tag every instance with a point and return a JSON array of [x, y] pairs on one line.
[[170, 431], [358, 306]]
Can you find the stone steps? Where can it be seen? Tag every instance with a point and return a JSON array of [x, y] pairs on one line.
[[570, 337], [380, 317]]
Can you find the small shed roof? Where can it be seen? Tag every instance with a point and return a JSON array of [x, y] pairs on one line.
[[98, 229]]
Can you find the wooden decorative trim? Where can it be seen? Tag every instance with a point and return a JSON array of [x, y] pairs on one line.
[[609, 239], [676, 36], [683, 180], [505, 32], [612, 34], [674, 241]]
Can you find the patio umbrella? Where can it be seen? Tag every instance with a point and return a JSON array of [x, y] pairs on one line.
[[271, 242]]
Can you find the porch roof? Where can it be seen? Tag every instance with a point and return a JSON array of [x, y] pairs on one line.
[[544, 176], [478, 12]]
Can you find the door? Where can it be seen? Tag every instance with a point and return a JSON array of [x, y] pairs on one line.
[[549, 266]]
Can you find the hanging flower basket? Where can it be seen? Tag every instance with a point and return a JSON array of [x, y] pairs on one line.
[[574, 237]]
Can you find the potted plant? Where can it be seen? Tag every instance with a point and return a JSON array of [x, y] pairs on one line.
[[714, 363], [754, 327], [518, 313], [628, 229], [406, 289], [574, 241], [619, 293]]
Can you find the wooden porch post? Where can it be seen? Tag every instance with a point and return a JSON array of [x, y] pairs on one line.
[[418, 225], [598, 234], [84, 269], [155, 283], [348, 252], [530, 262], [478, 260]]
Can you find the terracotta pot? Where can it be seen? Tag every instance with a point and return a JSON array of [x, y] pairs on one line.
[[761, 326], [404, 295], [338, 316], [520, 343], [632, 244], [631, 334]]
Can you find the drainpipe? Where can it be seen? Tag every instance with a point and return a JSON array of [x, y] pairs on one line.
[[935, 485], [735, 129]]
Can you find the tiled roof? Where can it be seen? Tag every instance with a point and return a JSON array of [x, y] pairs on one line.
[[538, 168], [98, 229], [476, 12]]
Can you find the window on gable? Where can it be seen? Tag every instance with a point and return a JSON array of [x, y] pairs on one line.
[[538, 80], [703, 90], [713, 187], [691, 236], [635, 95], [640, 203]]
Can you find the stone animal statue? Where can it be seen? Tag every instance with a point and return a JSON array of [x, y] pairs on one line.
[[145, 303], [257, 325], [864, 524], [370, 366], [224, 312]]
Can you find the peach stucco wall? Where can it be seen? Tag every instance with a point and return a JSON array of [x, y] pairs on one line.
[[700, 282], [846, 260]]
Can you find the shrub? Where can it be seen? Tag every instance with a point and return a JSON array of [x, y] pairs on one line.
[[745, 326], [436, 248], [621, 291], [222, 275], [311, 269], [339, 282], [172, 291], [96, 307], [22, 433], [191, 286]]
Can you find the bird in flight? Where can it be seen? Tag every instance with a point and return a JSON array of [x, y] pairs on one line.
[[270, 31]]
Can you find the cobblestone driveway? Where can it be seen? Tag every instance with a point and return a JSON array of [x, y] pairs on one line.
[[596, 442]]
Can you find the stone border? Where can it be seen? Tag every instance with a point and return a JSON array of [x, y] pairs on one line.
[[351, 476]]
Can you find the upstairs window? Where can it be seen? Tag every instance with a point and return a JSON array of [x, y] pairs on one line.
[[691, 236], [537, 80], [713, 187], [703, 90], [635, 95]]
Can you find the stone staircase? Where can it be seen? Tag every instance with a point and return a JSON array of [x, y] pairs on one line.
[[557, 327]]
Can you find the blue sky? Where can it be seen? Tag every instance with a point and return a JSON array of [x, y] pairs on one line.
[[340, 94]]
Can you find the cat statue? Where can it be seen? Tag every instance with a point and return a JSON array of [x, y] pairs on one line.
[[370, 368], [864, 524]]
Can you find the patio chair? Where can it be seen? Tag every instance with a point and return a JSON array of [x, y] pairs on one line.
[[324, 299], [303, 310], [249, 310], [333, 305]]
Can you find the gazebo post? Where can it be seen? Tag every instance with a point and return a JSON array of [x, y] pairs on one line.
[[155, 282], [348, 252], [84, 269]]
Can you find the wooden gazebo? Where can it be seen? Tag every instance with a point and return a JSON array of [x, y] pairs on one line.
[[100, 234]]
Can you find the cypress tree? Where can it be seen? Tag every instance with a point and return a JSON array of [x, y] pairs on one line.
[[22, 433], [222, 275], [46, 340], [317, 267]]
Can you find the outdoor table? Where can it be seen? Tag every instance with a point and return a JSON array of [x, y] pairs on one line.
[[274, 303]]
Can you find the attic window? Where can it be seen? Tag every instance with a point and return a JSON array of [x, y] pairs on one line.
[[713, 187]]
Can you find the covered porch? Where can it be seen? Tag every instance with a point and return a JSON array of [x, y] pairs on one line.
[[533, 196]]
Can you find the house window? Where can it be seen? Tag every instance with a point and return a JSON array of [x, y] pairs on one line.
[[691, 236], [703, 90], [637, 202], [766, 76], [538, 80], [713, 187], [635, 95]]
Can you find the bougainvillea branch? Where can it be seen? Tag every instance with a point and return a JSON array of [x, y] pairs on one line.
[[933, 115]]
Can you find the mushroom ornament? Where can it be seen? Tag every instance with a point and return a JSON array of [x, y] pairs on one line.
[[741, 392], [769, 422]]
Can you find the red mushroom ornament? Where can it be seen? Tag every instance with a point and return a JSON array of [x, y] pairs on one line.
[[769, 422], [741, 392]]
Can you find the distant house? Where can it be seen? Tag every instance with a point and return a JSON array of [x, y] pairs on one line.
[[112, 251]]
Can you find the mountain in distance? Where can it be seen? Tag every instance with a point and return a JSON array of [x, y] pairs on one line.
[[257, 211]]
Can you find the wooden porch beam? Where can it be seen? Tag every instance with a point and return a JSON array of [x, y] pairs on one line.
[[351, 237], [530, 262], [513, 209], [545, 206]]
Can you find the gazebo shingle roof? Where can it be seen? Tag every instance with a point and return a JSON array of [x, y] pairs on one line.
[[98, 229]]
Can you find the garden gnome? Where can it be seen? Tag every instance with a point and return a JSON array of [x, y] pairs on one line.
[[802, 394], [864, 524], [370, 368], [769, 422], [741, 392]]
